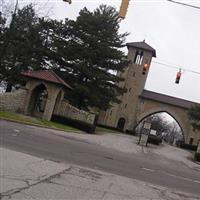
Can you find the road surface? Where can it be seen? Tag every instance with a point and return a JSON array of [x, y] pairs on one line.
[[149, 167]]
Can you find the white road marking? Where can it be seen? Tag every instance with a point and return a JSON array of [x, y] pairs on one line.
[[183, 178], [147, 169], [172, 175], [16, 130], [197, 181]]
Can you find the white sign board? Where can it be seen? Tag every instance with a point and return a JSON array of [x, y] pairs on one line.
[[153, 132], [147, 125]]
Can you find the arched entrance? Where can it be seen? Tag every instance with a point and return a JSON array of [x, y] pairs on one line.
[[121, 124], [38, 101], [164, 125]]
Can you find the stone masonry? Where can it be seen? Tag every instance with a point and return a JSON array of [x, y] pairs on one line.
[[133, 108], [13, 102]]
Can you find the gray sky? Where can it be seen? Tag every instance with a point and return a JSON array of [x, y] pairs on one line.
[[173, 30]]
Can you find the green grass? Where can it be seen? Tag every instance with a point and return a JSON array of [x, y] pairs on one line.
[[106, 130], [33, 121], [59, 126]]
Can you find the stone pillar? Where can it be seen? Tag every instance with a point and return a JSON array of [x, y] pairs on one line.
[[27, 102], [30, 86], [51, 100]]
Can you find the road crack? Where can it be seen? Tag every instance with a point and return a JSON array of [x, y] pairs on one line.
[[11, 192]]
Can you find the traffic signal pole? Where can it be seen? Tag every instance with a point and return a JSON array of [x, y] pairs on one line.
[[123, 8], [68, 1]]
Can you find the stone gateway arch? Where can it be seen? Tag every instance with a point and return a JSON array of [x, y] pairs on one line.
[[137, 103]]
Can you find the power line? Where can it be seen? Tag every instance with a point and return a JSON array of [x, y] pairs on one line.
[[184, 4], [175, 67]]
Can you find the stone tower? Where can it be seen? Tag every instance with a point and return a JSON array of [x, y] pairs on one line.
[[123, 115]]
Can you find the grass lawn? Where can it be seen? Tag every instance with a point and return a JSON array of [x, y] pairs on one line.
[[33, 121], [106, 130]]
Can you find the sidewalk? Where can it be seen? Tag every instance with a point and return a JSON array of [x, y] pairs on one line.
[[25, 177]]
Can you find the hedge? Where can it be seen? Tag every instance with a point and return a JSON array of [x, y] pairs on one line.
[[110, 127], [154, 140], [197, 156], [188, 146], [129, 132], [89, 128]]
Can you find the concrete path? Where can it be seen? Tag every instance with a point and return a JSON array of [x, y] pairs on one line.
[[25, 177]]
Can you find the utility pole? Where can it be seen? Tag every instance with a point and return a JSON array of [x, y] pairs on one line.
[[14, 14], [68, 1], [123, 8]]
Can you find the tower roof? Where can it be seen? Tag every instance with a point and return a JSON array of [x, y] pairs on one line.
[[46, 75], [142, 45]]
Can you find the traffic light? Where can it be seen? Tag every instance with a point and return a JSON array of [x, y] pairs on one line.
[[123, 8], [178, 76], [145, 68], [68, 1]]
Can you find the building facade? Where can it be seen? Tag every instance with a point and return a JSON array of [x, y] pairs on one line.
[[137, 103]]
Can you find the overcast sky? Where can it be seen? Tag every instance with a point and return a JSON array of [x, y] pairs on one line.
[[173, 30]]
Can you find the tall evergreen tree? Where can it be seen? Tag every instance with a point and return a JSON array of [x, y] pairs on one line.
[[17, 44], [92, 56], [26, 45], [194, 116], [2, 35]]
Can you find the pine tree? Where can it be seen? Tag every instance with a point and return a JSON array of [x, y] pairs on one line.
[[194, 116], [2, 36], [92, 57], [25, 46]]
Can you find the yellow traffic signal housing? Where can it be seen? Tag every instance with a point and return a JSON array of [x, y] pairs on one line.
[[123, 8], [68, 1], [178, 76], [145, 68]]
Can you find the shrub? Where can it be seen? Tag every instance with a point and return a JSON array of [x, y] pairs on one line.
[[197, 156], [131, 132], [188, 146], [110, 127], [89, 128], [154, 139]]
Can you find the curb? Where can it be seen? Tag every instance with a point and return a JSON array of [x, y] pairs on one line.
[[37, 125]]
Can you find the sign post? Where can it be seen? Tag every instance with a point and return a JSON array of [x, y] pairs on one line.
[[144, 134]]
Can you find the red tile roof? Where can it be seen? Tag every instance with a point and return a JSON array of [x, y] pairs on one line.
[[46, 75]]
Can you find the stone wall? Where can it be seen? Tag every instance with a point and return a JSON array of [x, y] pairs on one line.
[[69, 111], [17, 101], [13, 101]]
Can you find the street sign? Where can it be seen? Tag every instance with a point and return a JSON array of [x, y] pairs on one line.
[[147, 125], [153, 132], [144, 134]]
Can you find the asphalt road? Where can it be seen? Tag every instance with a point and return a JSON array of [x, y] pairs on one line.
[[149, 167]]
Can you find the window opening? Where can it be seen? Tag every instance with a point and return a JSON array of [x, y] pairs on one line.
[[138, 57]]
